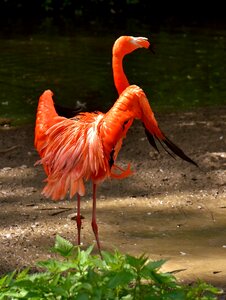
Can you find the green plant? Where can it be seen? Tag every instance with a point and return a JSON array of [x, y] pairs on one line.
[[81, 276]]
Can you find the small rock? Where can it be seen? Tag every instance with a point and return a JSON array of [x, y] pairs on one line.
[[23, 167], [8, 235], [6, 169]]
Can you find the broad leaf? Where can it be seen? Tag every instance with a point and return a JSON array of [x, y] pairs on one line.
[[63, 247]]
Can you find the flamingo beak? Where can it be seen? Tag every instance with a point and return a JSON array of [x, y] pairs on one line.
[[151, 48]]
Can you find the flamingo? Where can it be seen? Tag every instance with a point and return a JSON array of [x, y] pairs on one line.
[[122, 46], [86, 146]]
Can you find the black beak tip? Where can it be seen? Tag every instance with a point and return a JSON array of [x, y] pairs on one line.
[[151, 48]]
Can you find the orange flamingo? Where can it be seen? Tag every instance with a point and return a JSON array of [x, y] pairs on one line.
[[86, 146], [122, 46]]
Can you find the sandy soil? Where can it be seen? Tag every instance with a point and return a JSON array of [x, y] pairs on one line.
[[167, 209]]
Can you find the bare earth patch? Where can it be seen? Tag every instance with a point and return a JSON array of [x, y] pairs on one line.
[[167, 209]]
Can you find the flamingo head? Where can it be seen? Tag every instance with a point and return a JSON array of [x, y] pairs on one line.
[[127, 44]]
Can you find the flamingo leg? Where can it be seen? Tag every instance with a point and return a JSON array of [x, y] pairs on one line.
[[94, 223], [78, 219]]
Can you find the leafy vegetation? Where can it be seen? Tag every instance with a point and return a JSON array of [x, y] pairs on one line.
[[82, 276]]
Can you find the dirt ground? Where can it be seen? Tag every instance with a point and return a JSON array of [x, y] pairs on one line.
[[167, 209]]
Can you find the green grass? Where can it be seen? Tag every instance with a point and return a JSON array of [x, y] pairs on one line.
[[79, 275]]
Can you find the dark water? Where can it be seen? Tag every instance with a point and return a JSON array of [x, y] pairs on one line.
[[188, 70]]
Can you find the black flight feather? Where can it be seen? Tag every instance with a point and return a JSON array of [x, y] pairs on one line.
[[178, 151], [151, 140], [165, 148], [175, 149], [111, 160]]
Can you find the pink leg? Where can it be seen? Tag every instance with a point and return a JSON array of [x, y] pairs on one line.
[[94, 223], [78, 218]]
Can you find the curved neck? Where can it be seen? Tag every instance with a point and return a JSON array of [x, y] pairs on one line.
[[120, 80]]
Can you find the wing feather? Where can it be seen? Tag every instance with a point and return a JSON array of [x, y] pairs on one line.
[[72, 153]]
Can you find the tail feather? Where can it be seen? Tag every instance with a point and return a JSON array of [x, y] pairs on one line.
[[174, 148]]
